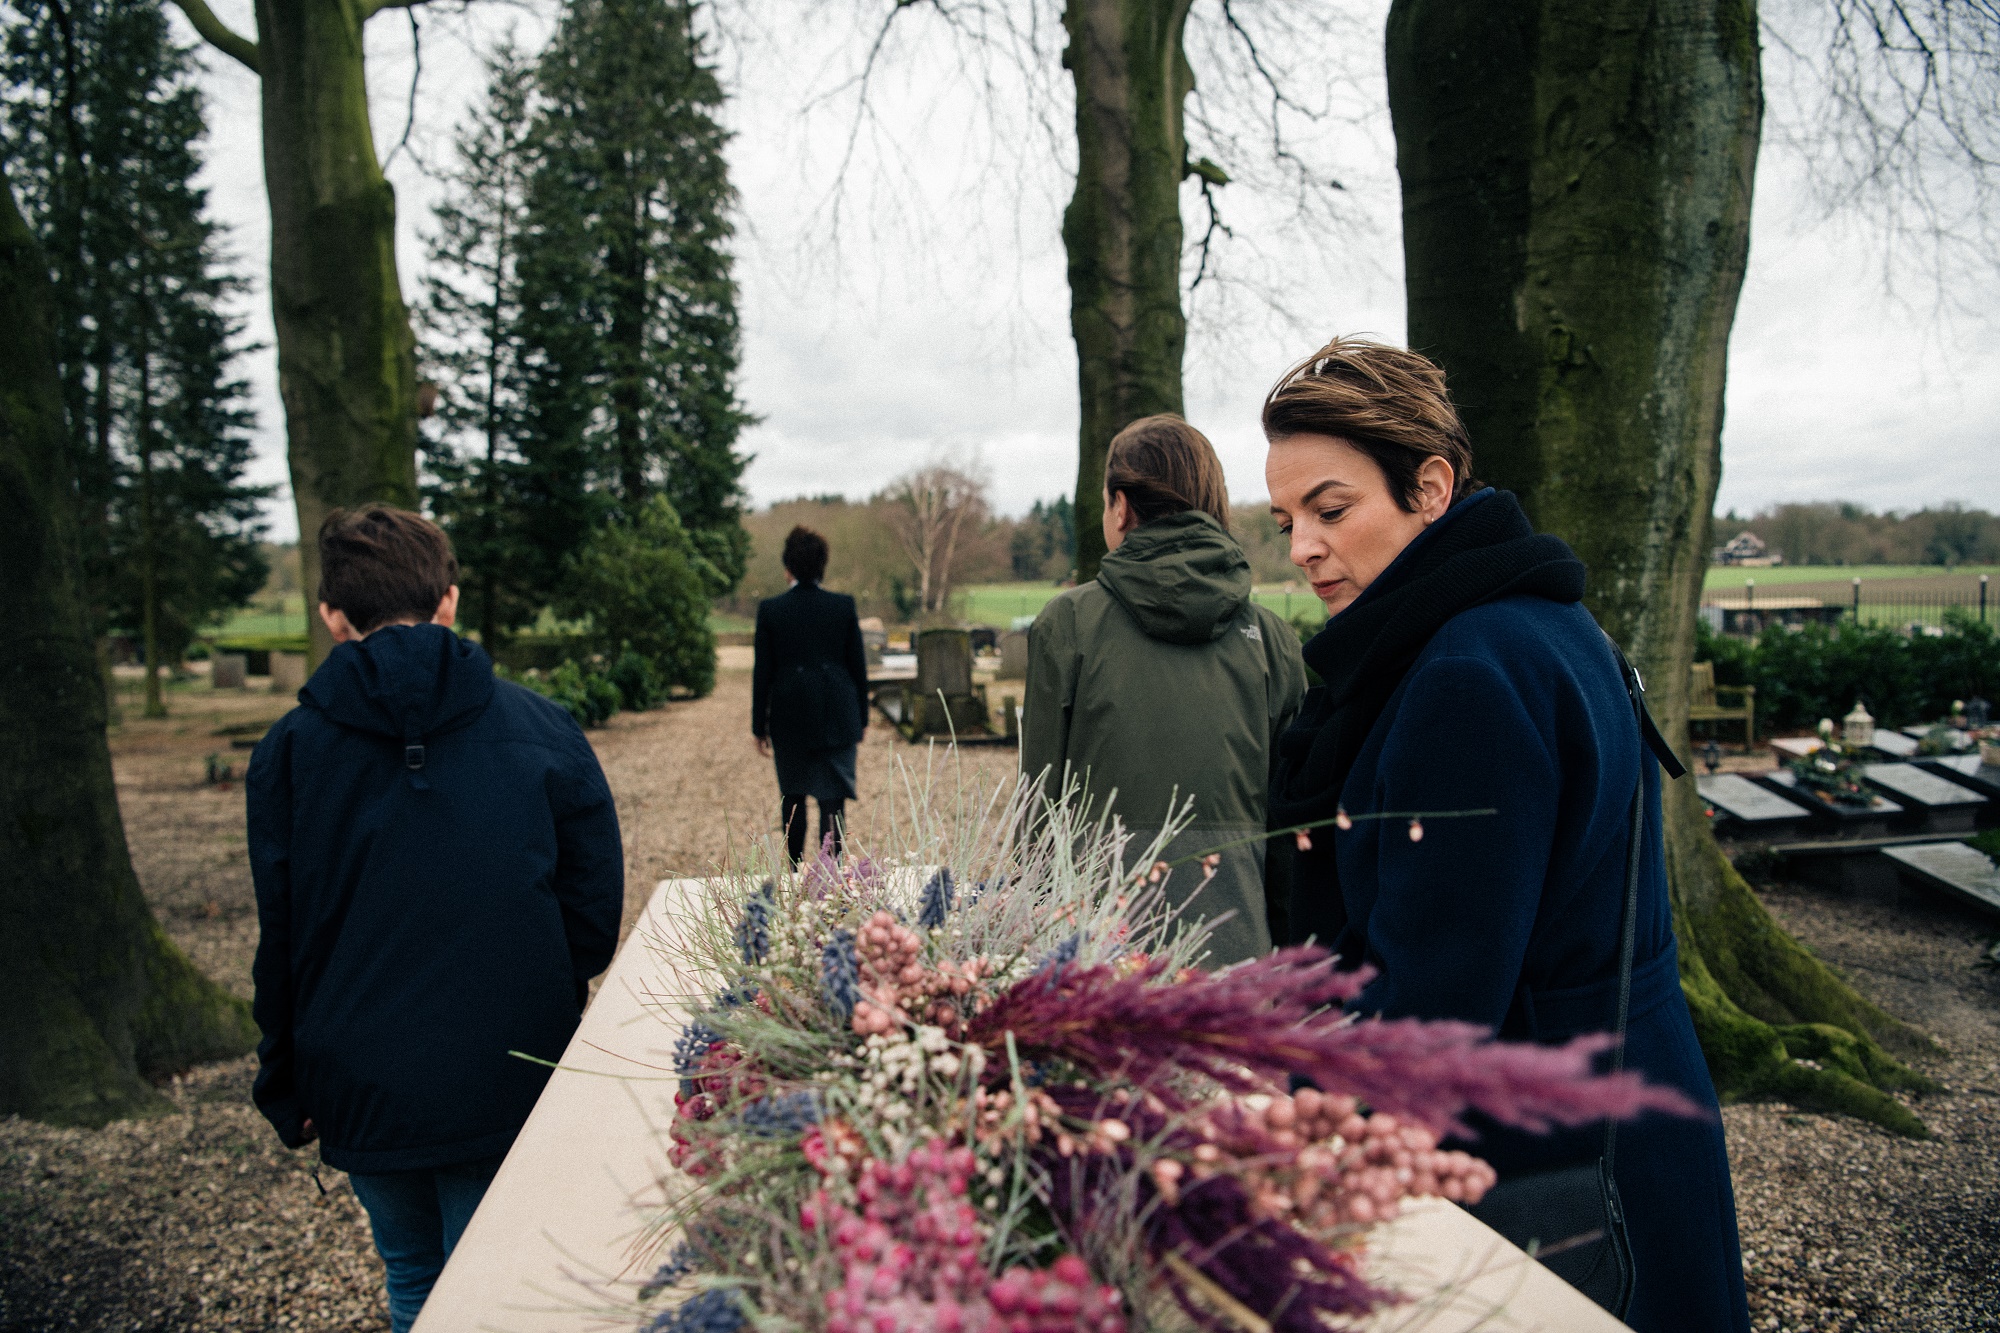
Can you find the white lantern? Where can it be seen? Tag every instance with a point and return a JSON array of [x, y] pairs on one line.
[[1860, 727]]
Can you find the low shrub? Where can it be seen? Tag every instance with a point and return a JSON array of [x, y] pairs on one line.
[[644, 587], [589, 695], [638, 680]]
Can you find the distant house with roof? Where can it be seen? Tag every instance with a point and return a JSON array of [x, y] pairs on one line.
[[1746, 549]]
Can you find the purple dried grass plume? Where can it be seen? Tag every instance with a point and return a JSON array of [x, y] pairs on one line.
[[1257, 1024]]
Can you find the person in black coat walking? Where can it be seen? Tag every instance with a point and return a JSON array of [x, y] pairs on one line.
[[438, 875], [1462, 674], [809, 694]]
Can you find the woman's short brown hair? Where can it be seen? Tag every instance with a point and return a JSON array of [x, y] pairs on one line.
[[378, 565], [805, 555], [1387, 402], [1165, 466]]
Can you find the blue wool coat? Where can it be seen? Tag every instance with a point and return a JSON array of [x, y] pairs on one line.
[[438, 875], [1511, 920]]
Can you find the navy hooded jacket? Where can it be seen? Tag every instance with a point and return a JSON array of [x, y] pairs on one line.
[[438, 876]]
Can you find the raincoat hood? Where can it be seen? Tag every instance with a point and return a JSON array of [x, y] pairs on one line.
[[1181, 577], [403, 681]]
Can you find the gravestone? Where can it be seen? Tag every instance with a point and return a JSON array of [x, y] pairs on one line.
[[1845, 821], [985, 638], [943, 701], [1014, 655], [944, 663], [1945, 806], [1963, 872], [226, 671], [288, 672], [1894, 744], [1968, 770], [1788, 748], [1750, 808]]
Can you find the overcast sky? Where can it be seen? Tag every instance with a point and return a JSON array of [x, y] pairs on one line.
[[934, 323]]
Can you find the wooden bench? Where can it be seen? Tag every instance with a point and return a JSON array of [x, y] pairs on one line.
[[1705, 706]]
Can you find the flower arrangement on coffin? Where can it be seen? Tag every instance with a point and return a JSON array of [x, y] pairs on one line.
[[983, 1086]]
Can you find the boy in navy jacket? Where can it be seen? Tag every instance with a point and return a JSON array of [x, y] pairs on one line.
[[438, 876]]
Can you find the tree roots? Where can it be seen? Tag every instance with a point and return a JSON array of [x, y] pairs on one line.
[[1776, 1023]]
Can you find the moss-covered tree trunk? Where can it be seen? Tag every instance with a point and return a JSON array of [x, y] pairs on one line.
[[94, 999], [1576, 213], [1122, 229], [346, 356]]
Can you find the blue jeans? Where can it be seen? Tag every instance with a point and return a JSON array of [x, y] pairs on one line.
[[417, 1217]]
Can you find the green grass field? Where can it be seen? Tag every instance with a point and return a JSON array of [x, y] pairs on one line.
[[999, 603], [261, 619], [1726, 578]]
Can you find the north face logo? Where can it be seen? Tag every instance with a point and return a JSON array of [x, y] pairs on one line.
[[1252, 633]]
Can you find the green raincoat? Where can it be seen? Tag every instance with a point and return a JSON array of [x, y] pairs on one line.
[[1162, 680]]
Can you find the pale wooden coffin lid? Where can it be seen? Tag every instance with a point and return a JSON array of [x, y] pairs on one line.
[[559, 1243]]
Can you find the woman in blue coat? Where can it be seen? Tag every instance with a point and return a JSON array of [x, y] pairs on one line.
[[1461, 673]]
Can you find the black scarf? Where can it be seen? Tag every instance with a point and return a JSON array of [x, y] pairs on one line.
[[1480, 554]]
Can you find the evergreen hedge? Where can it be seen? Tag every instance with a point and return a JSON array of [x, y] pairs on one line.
[[1807, 673]]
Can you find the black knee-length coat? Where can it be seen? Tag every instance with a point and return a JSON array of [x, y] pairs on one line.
[[1496, 690], [809, 689]]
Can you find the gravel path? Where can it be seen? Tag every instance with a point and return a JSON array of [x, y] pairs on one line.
[[200, 1220]]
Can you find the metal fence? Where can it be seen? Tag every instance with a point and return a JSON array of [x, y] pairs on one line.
[[1749, 611]]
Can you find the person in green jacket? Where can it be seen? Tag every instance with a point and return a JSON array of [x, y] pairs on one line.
[[1161, 680]]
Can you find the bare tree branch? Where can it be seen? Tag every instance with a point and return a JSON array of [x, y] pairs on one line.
[[370, 8], [927, 508], [220, 35], [416, 77], [1896, 118]]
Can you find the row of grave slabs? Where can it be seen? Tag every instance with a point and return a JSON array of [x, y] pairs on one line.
[[1911, 834]]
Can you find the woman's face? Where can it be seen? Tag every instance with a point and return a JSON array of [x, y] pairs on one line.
[[1335, 505]]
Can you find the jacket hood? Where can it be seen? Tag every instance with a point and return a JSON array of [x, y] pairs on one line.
[[403, 681], [1182, 577]]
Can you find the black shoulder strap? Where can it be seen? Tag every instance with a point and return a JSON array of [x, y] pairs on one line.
[[1649, 730], [1628, 917]]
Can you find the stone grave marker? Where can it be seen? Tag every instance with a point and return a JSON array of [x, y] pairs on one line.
[[226, 671], [1014, 655], [288, 672], [944, 663], [1846, 821], [1742, 803], [1894, 744], [1964, 872], [1946, 806], [1967, 770]]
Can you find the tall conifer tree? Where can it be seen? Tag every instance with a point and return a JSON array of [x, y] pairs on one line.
[[628, 291], [472, 341], [104, 108]]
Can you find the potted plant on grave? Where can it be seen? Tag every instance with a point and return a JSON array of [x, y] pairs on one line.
[[1832, 773]]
